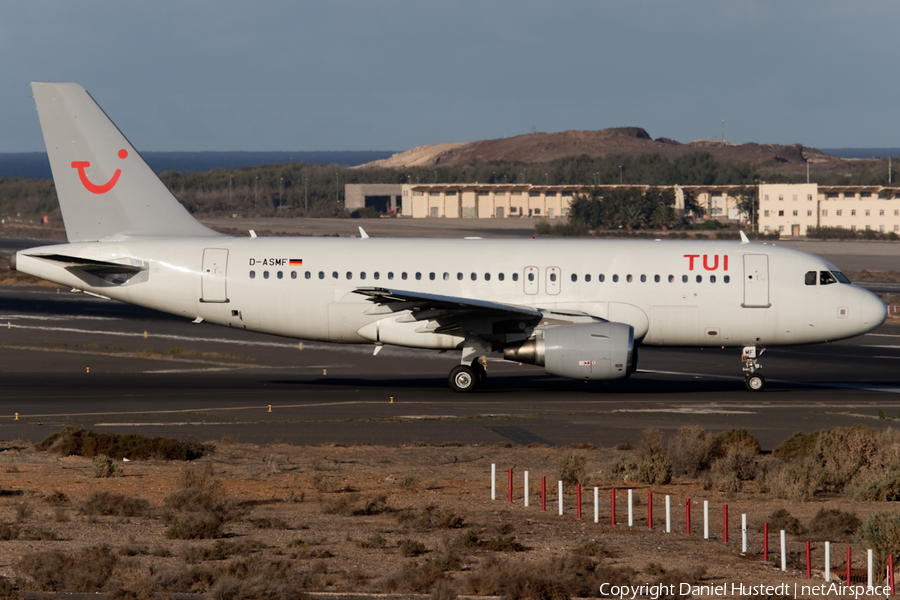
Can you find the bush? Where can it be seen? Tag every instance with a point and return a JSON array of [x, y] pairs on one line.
[[833, 525], [410, 548], [798, 479], [656, 469], [880, 486], [54, 571], [105, 467], [881, 533], [622, 467], [738, 439], [737, 466], [782, 519], [108, 504], [692, 450], [570, 468], [198, 509], [843, 452], [797, 446], [82, 442]]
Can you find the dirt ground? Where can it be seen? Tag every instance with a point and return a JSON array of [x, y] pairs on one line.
[[363, 519]]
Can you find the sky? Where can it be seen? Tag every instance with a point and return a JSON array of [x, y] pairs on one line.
[[183, 75]]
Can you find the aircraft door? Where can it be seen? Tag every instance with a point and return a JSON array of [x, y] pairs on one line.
[[212, 277], [554, 279], [756, 281], [530, 280]]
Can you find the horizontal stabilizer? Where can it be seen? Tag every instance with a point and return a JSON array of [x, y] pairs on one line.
[[94, 266]]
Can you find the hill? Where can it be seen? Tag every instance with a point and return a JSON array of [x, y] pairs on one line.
[[545, 147]]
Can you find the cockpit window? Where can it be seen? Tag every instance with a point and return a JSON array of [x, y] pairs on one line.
[[810, 278], [840, 277], [826, 278]]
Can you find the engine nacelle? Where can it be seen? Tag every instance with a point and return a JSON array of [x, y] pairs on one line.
[[582, 351]]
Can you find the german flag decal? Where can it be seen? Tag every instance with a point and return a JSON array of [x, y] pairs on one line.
[[296, 262]]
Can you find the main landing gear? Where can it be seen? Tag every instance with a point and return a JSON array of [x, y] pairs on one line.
[[467, 378], [754, 382]]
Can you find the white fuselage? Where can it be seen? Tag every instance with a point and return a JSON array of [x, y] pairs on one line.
[[674, 293]]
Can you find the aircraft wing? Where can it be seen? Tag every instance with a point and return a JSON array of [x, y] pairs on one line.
[[429, 302]]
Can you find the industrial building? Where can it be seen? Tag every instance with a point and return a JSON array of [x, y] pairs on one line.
[[791, 209]]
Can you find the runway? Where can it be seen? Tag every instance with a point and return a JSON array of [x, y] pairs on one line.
[[75, 359]]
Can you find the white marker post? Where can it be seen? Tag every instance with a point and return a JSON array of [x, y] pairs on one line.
[[630, 508], [744, 533], [827, 561], [493, 481], [668, 514], [783, 552], [560, 499], [706, 519], [526, 489], [596, 504], [870, 573]]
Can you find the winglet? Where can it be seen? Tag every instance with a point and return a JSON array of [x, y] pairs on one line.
[[744, 238], [362, 233], [252, 233]]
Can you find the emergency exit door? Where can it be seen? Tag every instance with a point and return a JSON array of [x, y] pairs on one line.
[[213, 275], [756, 281]]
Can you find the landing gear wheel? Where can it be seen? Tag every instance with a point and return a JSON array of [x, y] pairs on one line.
[[755, 383], [480, 373], [463, 379]]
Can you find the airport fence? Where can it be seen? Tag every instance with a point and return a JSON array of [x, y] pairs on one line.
[[846, 574]]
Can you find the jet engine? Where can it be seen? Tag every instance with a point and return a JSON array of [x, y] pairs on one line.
[[591, 351]]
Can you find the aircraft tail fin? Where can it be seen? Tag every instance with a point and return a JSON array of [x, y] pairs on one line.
[[104, 186]]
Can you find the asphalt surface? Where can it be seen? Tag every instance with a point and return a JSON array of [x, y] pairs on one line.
[[69, 358]]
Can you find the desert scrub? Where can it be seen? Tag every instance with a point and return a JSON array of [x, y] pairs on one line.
[[198, 509], [654, 465], [83, 442], [692, 450], [833, 525], [881, 533], [570, 468], [54, 571], [104, 503], [104, 466]]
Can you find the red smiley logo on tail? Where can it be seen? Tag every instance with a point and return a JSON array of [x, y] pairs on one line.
[[81, 165]]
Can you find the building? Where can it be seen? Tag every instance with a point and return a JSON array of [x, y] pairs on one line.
[[791, 209], [383, 197]]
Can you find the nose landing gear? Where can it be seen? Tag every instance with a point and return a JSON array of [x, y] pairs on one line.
[[467, 378], [753, 381]]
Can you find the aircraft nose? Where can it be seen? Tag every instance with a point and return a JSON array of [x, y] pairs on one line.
[[874, 312]]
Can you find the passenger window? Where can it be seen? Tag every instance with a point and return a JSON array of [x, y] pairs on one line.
[[280, 275], [376, 275], [252, 274], [671, 279], [615, 278], [826, 278], [726, 278], [531, 277], [321, 274], [500, 276], [656, 278], [362, 275], [446, 276], [487, 276], [810, 278], [307, 275], [390, 275], [349, 275], [293, 274], [473, 276], [601, 277], [265, 274], [629, 278], [459, 276], [574, 277], [699, 278], [515, 276], [643, 279], [684, 279], [418, 276], [431, 276], [403, 276], [334, 274], [712, 278], [587, 278], [553, 277]]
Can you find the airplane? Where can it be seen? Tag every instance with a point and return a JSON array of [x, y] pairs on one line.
[[579, 308]]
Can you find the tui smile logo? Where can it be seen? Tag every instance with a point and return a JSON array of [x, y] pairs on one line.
[[81, 165]]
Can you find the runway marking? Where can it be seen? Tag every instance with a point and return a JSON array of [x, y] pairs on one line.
[[686, 411], [58, 318], [359, 348], [135, 355], [883, 335]]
